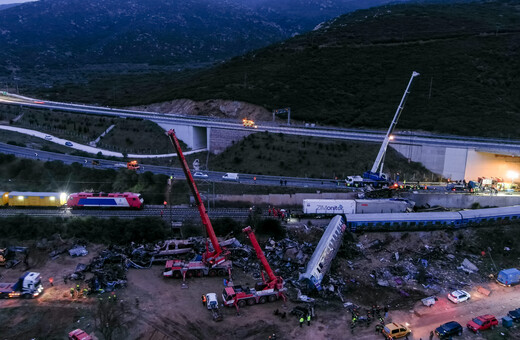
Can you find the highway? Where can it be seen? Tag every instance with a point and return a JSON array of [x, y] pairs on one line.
[[407, 137], [213, 176]]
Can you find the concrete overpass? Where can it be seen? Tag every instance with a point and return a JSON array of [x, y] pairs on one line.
[[452, 157], [463, 161]]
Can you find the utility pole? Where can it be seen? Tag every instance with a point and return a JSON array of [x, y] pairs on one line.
[[430, 93]]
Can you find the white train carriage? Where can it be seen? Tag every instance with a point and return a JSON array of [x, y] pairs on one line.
[[324, 253]]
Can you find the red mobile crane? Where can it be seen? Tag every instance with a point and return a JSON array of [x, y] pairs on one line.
[[267, 290], [213, 262]]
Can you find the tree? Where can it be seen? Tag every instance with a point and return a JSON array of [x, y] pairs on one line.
[[109, 317]]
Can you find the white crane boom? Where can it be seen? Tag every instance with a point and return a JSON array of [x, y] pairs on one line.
[[378, 164]]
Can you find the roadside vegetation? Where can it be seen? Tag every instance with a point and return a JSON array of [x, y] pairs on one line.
[[121, 231], [126, 136]]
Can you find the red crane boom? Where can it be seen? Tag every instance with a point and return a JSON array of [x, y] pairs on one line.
[[274, 281], [217, 255]]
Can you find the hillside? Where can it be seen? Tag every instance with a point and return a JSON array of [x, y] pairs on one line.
[[352, 71], [56, 40], [65, 34]]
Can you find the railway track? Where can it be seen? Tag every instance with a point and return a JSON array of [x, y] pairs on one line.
[[177, 214]]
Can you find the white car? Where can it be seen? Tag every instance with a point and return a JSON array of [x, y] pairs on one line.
[[211, 301], [458, 296], [200, 175], [47, 137]]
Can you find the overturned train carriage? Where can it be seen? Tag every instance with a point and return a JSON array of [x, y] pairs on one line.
[[325, 252]]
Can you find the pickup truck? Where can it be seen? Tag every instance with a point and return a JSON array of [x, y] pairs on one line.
[[482, 322]]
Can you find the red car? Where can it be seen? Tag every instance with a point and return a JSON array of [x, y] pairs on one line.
[[79, 334], [482, 322]]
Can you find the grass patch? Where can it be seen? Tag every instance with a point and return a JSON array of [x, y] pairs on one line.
[[285, 155]]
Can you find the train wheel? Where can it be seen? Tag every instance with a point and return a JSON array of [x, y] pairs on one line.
[[199, 273], [272, 298], [241, 303], [250, 302], [221, 272], [177, 274], [189, 273], [262, 300], [212, 272]]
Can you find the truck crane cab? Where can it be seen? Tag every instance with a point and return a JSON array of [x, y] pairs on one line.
[[269, 290]]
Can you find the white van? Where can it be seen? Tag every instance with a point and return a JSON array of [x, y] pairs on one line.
[[231, 176]]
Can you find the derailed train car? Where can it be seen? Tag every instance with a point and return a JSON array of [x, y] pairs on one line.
[[324, 253], [29, 199]]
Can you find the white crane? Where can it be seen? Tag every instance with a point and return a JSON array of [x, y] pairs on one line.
[[374, 174]]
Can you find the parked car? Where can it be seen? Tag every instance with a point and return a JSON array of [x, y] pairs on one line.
[[514, 315], [482, 322], [396, 330], [68, 143], [448, 329], [199, 174], [458, 296], [47, 137]]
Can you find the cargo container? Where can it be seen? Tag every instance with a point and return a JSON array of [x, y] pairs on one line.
[[354, 206]]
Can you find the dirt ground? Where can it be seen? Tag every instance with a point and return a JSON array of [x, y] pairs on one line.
[[168, 311], [213, 108]]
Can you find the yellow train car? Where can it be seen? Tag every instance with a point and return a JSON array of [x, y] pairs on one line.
[[36, 199], [5, 197]]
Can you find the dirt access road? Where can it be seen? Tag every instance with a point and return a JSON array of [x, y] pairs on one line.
[[499, 302]]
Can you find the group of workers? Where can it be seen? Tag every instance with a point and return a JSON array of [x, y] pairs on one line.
[[77, 292], [277, 212], [305, 317]]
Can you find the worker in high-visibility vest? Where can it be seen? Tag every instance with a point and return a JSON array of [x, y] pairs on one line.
[[308, 320], [204, 300], [301, 321]]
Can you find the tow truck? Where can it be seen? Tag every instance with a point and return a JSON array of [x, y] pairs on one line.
[[28, 286], [214, 262], [265, 291]]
